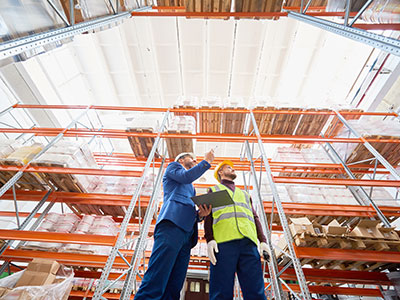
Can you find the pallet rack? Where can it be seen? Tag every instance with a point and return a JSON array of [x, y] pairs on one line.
[[131, 261]]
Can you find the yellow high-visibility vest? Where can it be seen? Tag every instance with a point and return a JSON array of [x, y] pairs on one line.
[[235, 221]]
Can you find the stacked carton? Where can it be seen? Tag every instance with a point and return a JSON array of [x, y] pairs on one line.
[[40, 280], [370, 128], [14, 154], [66, 154], [366, 235], [181, 125], [70, 223]]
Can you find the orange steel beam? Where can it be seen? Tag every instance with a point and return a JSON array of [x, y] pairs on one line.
[[337, 181], [233, 14], [339, 276], [289, 207], [324, 290], [88, 295], [310, 8], [128, 159], [72, 259], [81, 171], [336, 290], [57, 237], [292, 167], [128, 173], [168, 7], [348, 254], [332, 209], [217, 110], [118, 133]]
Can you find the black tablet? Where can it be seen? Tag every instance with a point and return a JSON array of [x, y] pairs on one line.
[[216, 199]]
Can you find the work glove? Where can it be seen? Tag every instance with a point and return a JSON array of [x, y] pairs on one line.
[[212, 248], [263, 250]]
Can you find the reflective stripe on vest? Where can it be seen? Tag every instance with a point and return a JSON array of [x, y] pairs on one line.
[[234, 221]]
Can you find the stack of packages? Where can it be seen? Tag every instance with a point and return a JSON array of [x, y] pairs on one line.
[[97, 225], [211, 102], [8, 146], [382, 11], [68, 155], [13, 155], [366, 234], [210, 122], [233, 122], [191, 101], [71, 223], [304, 193], [121, 185], [42, 279], [185, 125], [54, 222], [366, 127]]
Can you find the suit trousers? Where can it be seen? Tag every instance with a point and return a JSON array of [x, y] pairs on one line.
[[168, 263], [241, 257]]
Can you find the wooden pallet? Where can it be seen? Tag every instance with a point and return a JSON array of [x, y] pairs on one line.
[[233, 122], [100, 210], [343, 242], [259, 6], [62, 182], [28, 181], [208, 5], [312, 124], [297, 3], [264, 121], [171, 2], [390, 151], [285, 124], [177, 145], [141, 146], [336, 125], [182, 113], [210, 122]]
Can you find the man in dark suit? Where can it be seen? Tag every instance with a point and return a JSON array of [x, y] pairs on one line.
[[176, 229]]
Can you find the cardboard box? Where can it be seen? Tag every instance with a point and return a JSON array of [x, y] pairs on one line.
[[301, 225], [334, 228], [367, 229], [39, 272]]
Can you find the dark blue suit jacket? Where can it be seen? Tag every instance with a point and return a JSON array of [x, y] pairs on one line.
[[178, 188]]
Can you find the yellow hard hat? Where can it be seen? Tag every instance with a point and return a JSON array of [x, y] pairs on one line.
[[220, 165]]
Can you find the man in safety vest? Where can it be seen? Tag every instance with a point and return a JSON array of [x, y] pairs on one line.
[[232, 233]]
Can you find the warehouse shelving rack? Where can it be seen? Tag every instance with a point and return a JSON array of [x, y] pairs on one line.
[[129, 260]]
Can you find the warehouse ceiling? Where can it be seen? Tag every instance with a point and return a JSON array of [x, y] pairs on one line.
[[156, 61]]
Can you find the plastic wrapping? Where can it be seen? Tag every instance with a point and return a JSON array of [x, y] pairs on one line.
[[24, 154], [187, 101], [340, 5], [55, 291], [382, 11], [8, 146], [211, 102], [70, 154], [94, 8], [183, 123], [365, 127], [237, 102]]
